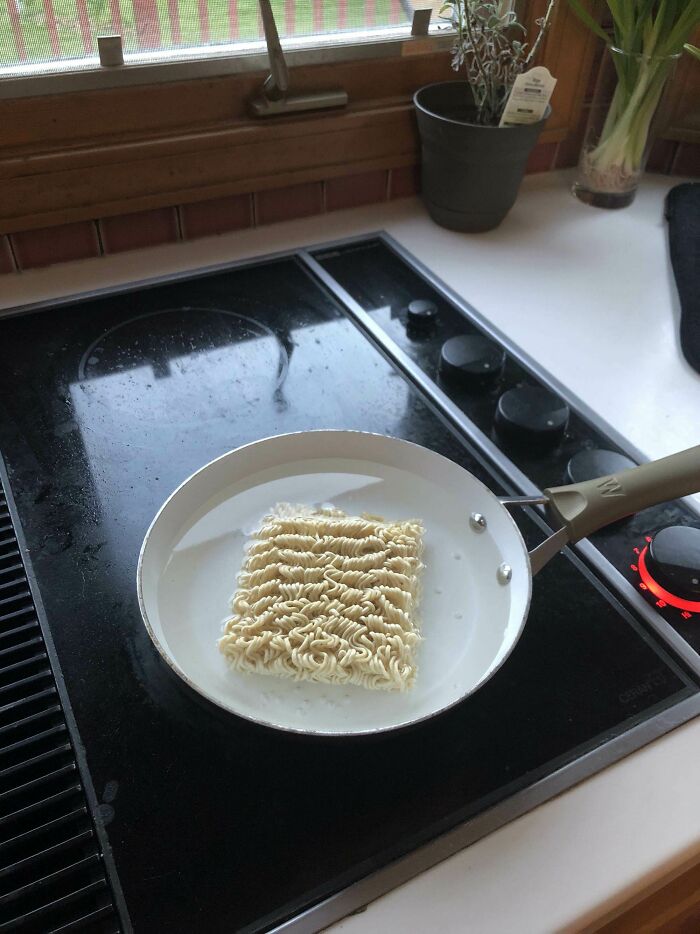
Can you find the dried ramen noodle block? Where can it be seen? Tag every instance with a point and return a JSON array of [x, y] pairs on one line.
[[323, 596]]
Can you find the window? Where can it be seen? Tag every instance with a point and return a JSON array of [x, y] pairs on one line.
[[59, 35]]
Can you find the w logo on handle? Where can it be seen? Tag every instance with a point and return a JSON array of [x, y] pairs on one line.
[[610, 486]]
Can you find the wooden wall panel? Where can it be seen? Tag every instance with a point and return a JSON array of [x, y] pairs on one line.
[[568, 52], [86, 118], [163, 173], [684, 99]]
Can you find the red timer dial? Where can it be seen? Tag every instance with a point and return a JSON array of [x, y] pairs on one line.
[[668, 565]]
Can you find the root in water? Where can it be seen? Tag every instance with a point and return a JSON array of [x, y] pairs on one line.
[[613, 177]]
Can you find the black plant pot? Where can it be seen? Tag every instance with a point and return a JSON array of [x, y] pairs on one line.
[[471, 173]]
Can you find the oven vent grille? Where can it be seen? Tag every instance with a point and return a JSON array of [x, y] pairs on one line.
[[52, 875]]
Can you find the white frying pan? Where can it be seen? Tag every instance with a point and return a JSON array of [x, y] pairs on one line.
[[476, 584]]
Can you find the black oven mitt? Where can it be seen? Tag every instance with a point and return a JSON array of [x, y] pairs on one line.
[[683, 215]]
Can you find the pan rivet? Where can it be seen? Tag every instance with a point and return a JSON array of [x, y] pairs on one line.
[[504, 573], [477, 522]]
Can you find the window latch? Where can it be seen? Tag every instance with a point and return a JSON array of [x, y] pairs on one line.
[[274, 98]]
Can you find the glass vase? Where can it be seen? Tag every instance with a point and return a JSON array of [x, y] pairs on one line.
[[624, 116]]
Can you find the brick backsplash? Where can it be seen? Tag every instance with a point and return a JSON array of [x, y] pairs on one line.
[[7, 260], [542, 158], [404, 182], [134, 231], [283, 204], [662, 154], [33, 248], [61, 244], [686, 160], [215, 216], [350, 191]]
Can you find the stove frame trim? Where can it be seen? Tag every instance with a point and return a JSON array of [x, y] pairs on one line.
[[357, 895]]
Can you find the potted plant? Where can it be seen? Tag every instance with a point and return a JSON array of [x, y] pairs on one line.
[[471, 166], [647, 40]]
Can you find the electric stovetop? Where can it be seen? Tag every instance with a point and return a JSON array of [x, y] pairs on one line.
[[194, 819]]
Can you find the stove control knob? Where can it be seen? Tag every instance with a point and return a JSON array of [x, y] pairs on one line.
[[598, 462], [421, 317], [470, 360], [673, 561], [532, 415]]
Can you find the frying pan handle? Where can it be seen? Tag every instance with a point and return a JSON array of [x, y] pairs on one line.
[[583, 508]]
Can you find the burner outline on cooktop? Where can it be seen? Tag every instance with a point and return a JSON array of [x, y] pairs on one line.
[[265, 331]]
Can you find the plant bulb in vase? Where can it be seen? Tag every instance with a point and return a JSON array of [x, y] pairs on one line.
[[628, 99]]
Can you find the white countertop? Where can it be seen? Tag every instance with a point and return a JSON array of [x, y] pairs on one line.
[[590, 294]]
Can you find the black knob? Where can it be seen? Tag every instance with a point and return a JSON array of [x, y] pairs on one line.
[[532, 415], [673, 560], [421, 317], [471, 360], [587, 465]]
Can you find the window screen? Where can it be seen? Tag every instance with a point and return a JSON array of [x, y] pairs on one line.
[[56, 30]]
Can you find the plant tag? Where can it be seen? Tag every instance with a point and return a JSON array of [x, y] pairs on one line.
[[529, 97]]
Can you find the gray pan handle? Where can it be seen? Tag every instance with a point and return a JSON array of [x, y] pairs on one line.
[[583, 508]]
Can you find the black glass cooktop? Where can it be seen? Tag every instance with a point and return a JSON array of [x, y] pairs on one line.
[[216, 824]]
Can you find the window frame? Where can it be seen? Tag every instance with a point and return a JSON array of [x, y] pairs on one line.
[[242, 57]]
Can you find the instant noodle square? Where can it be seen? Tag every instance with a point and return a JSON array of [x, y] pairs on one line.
[[327, 597]]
